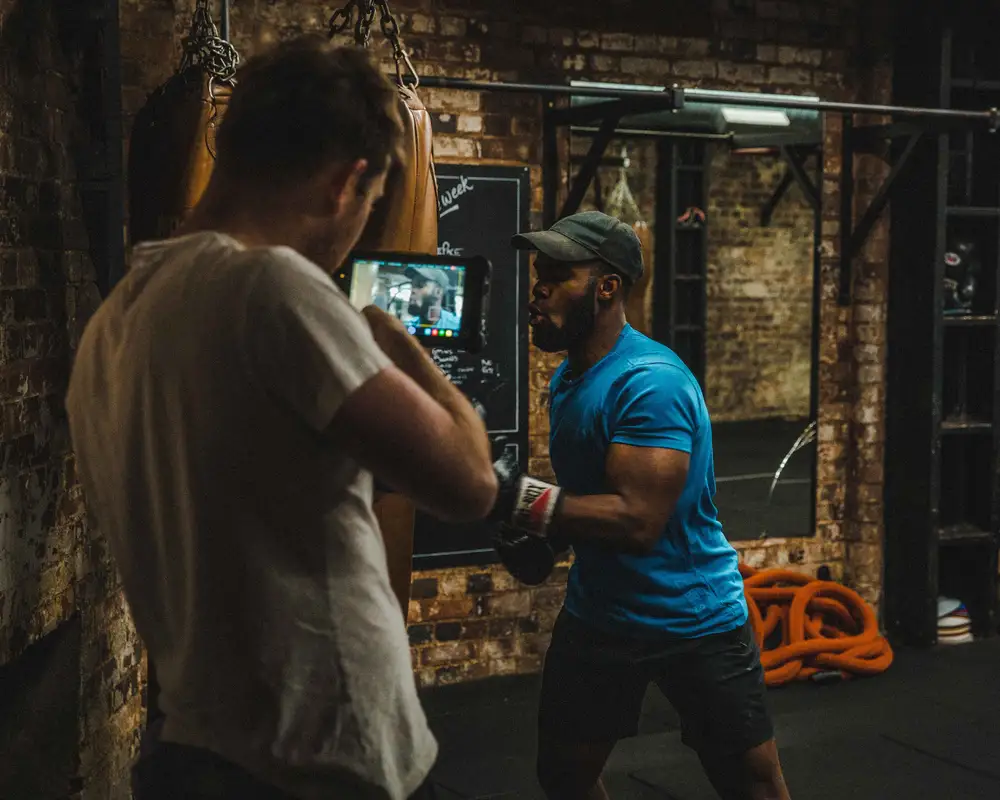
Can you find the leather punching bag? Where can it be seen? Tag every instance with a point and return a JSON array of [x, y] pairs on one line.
[[172, 145], [622, 205], [406, 218], [172, 151], [637, 307]]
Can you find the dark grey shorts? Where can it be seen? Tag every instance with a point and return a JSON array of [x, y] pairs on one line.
[[593, 686]]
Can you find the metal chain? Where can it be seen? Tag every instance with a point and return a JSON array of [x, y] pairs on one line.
[[390, 29], [205, 48], [366, 10], [343, 17]]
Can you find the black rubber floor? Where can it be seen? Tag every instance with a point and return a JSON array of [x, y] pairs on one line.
[[929, 728]]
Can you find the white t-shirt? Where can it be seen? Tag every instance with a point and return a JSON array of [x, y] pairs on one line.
[[251, 557]]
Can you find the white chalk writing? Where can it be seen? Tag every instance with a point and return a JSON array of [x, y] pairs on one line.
[[449, 197]]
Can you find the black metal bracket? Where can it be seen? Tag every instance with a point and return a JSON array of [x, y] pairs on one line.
[[589, 167], [853, 238], [767, 212], [796, 173], [796, 161]]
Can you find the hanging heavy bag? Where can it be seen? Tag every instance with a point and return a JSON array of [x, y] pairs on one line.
[[637, 307], [405, 220], [172, 152], [622, 205], [172, 144]]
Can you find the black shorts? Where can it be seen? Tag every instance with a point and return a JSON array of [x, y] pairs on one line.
[[593, 686]]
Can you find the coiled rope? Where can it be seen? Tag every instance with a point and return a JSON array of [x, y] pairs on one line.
[[808, 628]]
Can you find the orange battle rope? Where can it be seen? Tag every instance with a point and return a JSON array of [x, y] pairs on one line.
[[826, 628]]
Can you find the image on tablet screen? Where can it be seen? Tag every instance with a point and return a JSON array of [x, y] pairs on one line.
[[427, 298]]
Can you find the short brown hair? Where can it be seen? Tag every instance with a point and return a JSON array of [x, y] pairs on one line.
[[304, 104]]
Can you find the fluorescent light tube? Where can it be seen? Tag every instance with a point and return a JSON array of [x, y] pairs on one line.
[[755, 116]]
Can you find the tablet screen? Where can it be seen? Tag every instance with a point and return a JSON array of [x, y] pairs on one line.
[[426, 297]]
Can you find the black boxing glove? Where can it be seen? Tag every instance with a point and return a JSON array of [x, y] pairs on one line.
[[527, 504], [530, 559]]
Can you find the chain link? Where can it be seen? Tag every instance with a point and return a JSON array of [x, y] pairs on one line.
[[342, 18], [366, 10], [390, 29], [205, 48]]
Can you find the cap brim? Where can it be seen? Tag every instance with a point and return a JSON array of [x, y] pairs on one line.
[[554, 245]]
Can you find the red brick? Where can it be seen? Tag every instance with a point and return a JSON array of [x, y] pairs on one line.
[[694, 70], [449, 675], [447, 653], [790, 76], [742, 73], [798, 55], [617, 41], [604, 63], [648, 68], [511, 604], [457, 608], [767, 53]]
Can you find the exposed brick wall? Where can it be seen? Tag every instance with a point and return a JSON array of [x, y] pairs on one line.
[[473, 623], [760, 293], [53, 565], [799, 47]]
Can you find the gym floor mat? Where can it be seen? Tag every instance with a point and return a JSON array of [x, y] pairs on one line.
[[921, 730], [846, 766]]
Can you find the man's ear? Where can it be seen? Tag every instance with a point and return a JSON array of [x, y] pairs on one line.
[[608, 288], [346, 182]]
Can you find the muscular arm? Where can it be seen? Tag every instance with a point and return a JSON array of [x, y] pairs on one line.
[[652, 423], [645, 484]]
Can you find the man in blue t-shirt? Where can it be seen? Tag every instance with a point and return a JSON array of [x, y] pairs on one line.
[[655, 594]]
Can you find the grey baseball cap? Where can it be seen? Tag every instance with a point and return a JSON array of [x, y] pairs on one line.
[[438, 276], [588, 236]]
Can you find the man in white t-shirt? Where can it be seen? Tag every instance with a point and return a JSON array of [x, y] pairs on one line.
[[229, 410]]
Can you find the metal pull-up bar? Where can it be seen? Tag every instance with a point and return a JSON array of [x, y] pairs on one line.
[[675, 96]]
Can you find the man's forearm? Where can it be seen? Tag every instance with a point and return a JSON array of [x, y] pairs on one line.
[[602, 519], [413, 359]]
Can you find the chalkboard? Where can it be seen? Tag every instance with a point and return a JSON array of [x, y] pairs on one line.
[[481, 207]]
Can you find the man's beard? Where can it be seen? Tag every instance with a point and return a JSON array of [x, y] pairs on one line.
[[421, 308], [550, 338]]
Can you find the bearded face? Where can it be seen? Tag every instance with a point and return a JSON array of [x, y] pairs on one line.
[[566, 322]]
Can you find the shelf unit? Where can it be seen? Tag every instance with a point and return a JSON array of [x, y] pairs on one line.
[[679, 287], [943, 413]]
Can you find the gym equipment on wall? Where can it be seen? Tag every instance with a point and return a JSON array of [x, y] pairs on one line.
[[172, 146], [961, 272]]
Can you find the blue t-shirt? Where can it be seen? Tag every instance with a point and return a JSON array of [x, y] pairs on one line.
[[642, 394]]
